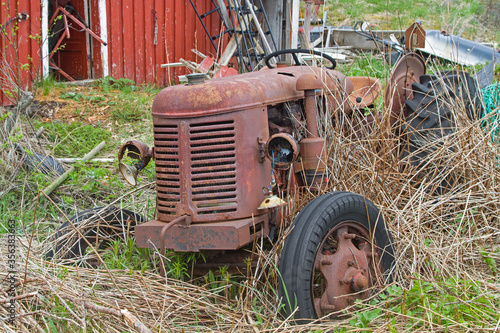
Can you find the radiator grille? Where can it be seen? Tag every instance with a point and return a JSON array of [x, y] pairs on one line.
[[167, 167], [213, 167]]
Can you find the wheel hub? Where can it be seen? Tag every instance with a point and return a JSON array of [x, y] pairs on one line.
[[343, 268]]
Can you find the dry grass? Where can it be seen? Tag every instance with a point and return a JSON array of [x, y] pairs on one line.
[[438, 237]]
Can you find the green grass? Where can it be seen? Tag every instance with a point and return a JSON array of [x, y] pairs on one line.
[[75, 139], [470, 18], [452, 302]]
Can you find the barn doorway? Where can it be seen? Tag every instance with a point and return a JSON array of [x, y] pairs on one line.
[[72, 46]]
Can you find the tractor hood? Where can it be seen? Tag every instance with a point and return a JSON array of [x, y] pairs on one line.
[[243, 91]]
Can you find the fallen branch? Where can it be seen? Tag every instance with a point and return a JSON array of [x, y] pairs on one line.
[[8, 300], [124, 314], [65, 175], [74, 160]]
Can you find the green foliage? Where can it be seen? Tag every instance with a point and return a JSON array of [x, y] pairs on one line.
[[108, 83], [177, 264], [75, 139], [132, 108], [366, 65], [79, 97], [443, 302], [127, 256], [489, 259], [47, 84]]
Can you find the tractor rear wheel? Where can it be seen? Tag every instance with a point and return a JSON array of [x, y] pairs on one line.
[[432, 117]]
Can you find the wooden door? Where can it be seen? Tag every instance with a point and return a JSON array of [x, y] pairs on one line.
[[73, 57]]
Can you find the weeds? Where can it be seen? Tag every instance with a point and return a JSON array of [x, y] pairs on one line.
[[74, 139], [126, 255]]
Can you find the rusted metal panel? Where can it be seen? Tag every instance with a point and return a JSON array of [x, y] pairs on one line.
[[230, 235], [224, 95], [210, 167]]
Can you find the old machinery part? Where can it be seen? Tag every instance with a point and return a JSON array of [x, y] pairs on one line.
[[337, 250], [294, 52], [309, 83], [286, 117], [282, 150], [313, 148], [407, 71], [228, 235], [195, 78], [360, 29], [415, 36], [457, 49], [138, 155], [272, 201], [365, 91], [433, 115], [97, 226]]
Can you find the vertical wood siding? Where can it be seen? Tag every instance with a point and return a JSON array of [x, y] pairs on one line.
[[131, 36], [132, 51], [21, 45]]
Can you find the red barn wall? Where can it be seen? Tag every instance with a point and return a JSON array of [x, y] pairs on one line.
[[19, 40], [142, 35]]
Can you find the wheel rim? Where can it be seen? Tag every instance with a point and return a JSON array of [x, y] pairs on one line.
[[346, 265]]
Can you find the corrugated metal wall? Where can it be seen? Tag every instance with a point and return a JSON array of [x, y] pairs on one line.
[[142, 35], [19, 40]]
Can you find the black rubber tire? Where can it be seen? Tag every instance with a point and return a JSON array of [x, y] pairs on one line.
[[309, 229], [116, 222], [430, 120]]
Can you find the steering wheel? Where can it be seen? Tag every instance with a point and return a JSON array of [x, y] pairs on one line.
[[294, 53]]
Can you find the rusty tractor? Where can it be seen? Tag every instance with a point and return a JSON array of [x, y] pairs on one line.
[[226, 150]]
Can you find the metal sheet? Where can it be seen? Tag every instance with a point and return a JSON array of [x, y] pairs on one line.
[[457, 49]]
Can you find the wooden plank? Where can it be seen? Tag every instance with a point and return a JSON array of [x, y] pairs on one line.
[[23, 44], [139, 45], [115, 39], [180, 34], [128, 40], [230, 49], [166, 48], [96, 45], [35, 14], [149, 41]]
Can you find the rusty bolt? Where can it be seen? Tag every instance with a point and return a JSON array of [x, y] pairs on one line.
[[359, 282]]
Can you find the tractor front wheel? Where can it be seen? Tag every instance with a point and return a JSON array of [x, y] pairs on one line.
[[338, 248]]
